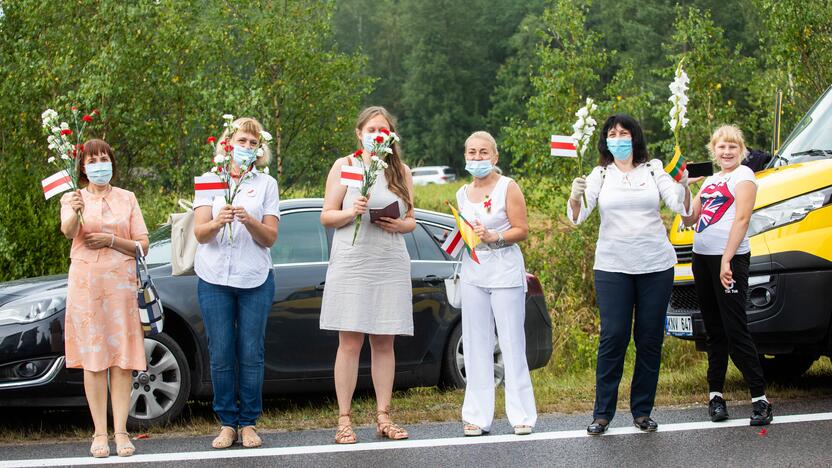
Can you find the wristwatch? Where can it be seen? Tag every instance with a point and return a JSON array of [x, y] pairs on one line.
[[501, 242]]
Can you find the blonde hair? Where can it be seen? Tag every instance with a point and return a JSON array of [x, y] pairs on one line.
[[248, 125], [483, 135], [395, 167], [729, 133]]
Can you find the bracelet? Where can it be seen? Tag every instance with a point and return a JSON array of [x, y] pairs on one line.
[[112, 239]]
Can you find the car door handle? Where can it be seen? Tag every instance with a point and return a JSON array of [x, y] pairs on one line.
[[320, 287], [432, 279]]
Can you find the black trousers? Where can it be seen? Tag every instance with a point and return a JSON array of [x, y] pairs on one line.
[[726, 323], [630, 305]]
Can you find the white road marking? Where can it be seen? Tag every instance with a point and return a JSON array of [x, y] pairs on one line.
[[404, 444]]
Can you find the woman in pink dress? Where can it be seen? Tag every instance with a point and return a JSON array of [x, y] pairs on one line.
[[103, 334]]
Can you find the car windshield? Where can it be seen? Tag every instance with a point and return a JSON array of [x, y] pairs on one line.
[[159, 251], [812, 137]]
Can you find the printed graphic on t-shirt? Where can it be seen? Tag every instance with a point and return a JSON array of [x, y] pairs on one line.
[[716, 199]]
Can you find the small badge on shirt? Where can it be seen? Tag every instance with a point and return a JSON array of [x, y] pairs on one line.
[[251, 192]]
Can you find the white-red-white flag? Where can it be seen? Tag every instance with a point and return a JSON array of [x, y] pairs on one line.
[[454, 243], [564, 146], [209, 185], [56, 183], [352, 176]]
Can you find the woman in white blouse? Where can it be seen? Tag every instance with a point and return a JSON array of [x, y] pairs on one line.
[[236, 283], [633, 263]]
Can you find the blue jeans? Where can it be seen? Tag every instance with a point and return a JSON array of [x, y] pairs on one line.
[[620, 297], [235, 322]]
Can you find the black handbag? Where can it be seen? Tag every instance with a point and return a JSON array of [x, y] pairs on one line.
[[151, 314]]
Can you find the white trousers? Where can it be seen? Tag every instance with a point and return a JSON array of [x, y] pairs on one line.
[[481, 309]]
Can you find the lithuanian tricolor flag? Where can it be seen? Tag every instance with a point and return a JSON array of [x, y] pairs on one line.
[[463, 234], [677, 165]]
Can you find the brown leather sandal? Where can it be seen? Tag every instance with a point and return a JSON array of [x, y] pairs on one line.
[[345, 434], [126, 449], [250, 438], [387, 428], [225, 439]]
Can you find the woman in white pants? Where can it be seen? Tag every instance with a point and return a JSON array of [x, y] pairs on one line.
[[493, 291]]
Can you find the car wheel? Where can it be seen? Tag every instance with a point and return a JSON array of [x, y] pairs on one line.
[[160, 392], [784, 367], [453, 367]]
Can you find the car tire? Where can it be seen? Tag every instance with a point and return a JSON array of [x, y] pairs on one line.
[[785, 367], [453, 363], [160, 392]]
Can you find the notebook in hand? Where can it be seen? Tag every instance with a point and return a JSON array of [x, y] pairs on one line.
[[389, 211]]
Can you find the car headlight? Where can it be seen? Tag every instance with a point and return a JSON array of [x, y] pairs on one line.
[[788, 211], [33, 307]]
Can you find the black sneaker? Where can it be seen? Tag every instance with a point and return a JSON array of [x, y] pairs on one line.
[[646, 424], [717, 409], [762, 414]]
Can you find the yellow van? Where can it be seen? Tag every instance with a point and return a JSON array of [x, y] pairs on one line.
[[789, 302]]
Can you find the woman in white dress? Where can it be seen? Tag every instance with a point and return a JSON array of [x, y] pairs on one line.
[[368, 288], [494, 292]]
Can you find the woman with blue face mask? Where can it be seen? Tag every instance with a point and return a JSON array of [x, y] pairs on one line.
[[236, 282], [633, 263], [103, 334], [493, 292], [368, 288]]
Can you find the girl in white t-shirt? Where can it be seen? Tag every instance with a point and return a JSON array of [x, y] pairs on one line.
[[721, 257]]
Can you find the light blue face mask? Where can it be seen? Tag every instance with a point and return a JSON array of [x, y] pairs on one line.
[[621, 148], [243, 156], [479, 169], [368, 141], [99, 173]]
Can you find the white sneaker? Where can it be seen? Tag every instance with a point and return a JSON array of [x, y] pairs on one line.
[[522, 430]]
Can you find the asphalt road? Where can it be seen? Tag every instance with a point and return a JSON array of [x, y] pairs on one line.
[[799, 437]]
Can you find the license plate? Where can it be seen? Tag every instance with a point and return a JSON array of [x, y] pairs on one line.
[[679, 325]]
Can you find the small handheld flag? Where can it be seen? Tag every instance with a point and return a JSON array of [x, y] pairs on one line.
[[210, 185], [56, 183], [563, 146], [352, 176], [454, 243], [466, 232], [677, 165]]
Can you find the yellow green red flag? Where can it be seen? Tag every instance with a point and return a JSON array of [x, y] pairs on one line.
[[466, 232], [677, 165]]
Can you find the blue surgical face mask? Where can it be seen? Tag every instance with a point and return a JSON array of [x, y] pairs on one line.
[[368, 141], [243, 156], [479, 169], [99, 173], [621, 148]]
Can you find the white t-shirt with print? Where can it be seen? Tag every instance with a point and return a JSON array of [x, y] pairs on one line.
[[718, 212]]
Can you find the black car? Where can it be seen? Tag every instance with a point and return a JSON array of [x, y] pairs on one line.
[[299, 356]]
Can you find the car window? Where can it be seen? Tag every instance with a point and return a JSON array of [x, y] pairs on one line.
[[423, 172], [410, 243], [300, 239], [449, 171], [429, 249], [159, 250]]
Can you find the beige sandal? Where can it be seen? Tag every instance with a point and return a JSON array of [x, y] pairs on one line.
[[387, 428], [250, 438], [100, 450], [225, 439], [522, 429], [345, 434], [471, 430], [124, 450]]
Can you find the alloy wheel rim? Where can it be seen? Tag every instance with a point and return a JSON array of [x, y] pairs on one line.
[[499, 367], [156, 389]]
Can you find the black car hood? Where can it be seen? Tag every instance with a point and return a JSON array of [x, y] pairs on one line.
[[12, 290]]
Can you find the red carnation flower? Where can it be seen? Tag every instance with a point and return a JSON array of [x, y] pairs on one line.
[[66, 132], [74, 108], [357, 153], [87, 118], [95, 111], [379, 139], [81, 148], [385, 131], [212, 140]]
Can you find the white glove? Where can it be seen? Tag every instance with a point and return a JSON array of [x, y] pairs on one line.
[[684, 179], [578, 188]]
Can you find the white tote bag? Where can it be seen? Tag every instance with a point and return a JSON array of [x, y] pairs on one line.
[[452, 288], [182, 240]]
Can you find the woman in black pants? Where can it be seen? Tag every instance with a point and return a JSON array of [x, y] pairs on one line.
[[721, 255], [633, 264]]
